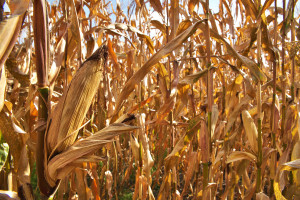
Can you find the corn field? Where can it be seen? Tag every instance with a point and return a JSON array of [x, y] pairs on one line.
[[157, 99]]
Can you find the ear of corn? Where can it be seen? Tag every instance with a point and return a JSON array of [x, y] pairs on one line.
[[67, 117]]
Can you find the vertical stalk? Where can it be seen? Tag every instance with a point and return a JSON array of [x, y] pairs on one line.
[[259, 139], [283, 74], [293, 59], [210, 100], [40, 43], [275, 62]]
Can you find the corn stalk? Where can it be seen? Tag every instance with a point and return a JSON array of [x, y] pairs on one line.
[[41, 51], [259, 131], [206, 158]]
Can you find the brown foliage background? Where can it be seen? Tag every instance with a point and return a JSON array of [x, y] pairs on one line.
[[241, 142]]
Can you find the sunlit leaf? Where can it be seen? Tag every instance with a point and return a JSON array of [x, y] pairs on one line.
[[140, 74]]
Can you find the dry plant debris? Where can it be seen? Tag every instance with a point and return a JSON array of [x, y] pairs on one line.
[[158, 99]]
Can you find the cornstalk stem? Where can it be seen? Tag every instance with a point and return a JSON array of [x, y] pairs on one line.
[[210, 100], [283, 74], [259, 139], [293, 59], [41, 51], [273, 156]]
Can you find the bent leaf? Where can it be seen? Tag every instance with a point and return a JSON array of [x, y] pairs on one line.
[[240, 155], [141, 73], [60, 165]]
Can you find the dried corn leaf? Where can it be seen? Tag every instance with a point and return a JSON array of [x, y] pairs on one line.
[[289, 166], [157, 24], [69, 113], [9, 31], [18, 7], [250, 129], [236, 112], [191, 5], [296, 155], [156, 5], [182, 144], [126, 27], [193, 78], [250, 64], [141, 73], [240, 155], [262, 196], [214, 119], [12, 138], [60, 165], [183, 26]]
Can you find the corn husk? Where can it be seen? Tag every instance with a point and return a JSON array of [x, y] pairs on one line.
[[66, 119], [60, 165]]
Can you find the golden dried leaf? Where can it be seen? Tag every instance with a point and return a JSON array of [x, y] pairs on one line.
[[18, 7], [240, 155], [191, 5], [182, 144], [141, 73], [250, 129], [156, 5], [9, 31], [262, 196], [60, 165], [250, 64], [214, 119], [296, 155], [12, 138], [183, 26], [157, 24]]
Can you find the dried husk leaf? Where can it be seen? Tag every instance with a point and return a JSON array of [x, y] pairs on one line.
[[250, 129], [135, 146], [63, 124], [60, 165], [214, 119]]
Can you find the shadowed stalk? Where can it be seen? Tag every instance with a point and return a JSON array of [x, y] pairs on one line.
[[275, 62], [259, 139], [293, 58], [40, 43], [283, 74], [210, 101]]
